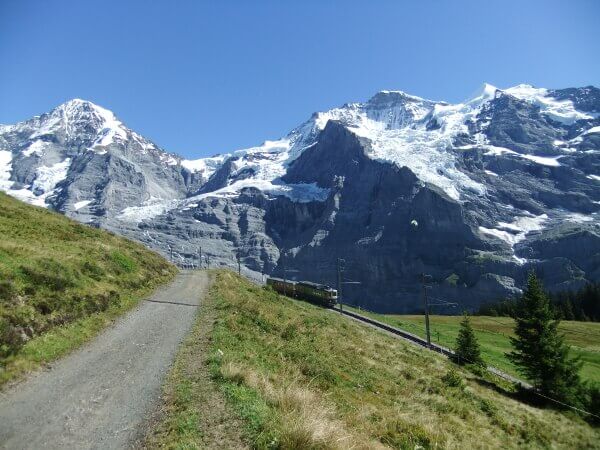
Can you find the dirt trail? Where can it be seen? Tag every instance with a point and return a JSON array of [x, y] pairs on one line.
[[100, 396]]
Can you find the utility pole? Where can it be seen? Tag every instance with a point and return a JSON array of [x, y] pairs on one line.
[[284, 275], [426, 300], [239, 263], [199, 257], [340, 269]]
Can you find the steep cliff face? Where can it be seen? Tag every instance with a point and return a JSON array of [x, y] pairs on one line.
[[475, 194], [388, 225]]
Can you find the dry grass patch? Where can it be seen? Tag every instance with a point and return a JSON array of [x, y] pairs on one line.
[[306, 420]]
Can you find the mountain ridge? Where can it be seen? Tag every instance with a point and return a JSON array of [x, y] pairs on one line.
[[518, 165]]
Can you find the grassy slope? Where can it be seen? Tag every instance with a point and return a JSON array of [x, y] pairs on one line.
[[61, 282], [304, 377], [493, 335]]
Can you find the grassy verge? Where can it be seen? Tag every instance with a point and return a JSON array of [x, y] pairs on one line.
[[302, 377], [493, 335], [62, 282]]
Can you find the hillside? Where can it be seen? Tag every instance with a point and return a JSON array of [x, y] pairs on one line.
[[493, 334], [300, 376], [61, 282]]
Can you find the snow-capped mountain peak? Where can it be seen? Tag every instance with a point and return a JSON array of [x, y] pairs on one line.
[[77, 115], [506, 177], [486, 92], [403, 129]]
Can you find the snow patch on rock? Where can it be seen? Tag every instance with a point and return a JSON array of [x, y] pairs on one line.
[[551, 161], [35, 148], [150, 208], [206, 166], [516, 231], [49, 176], [562, 111], [81, 204], [5, 169]]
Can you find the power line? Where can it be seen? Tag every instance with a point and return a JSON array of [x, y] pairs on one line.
[[507, 377]]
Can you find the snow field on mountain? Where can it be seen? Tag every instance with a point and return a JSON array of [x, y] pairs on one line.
[[560, 110], [47, 177], [428, 153], [147, 210], [35, 148], [5, 169], [82, 204], [207, 166], [543, 160], [44, 184], [516, 231]]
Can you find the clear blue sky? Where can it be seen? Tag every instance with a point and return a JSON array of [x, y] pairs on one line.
[[201, 78]]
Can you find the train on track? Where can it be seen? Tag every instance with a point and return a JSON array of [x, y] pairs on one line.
[[320, 294]]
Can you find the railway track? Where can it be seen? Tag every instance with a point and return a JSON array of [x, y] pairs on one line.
[[423, 343], [417, 340]]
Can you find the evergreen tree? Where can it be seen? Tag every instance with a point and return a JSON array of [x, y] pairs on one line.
[[568, 313], [467, 347], [540, 352]]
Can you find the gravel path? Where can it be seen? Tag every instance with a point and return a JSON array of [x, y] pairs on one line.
[[101, 396]]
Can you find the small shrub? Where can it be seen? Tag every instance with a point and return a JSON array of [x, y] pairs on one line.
[[11, 338], [92, 270], [290, 331], [593, 403], [7, 290], [477, 369], [49, 274], [400, 434], [488, 407], [123, 262], [453, 379]]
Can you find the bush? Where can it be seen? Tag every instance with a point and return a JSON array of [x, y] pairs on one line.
[[593, 402], [453, 379], [92, 270], [7, 290], [123, 262], [49, 274], [11, 339]]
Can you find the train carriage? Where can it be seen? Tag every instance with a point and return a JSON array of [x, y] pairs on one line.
[[320, 294]]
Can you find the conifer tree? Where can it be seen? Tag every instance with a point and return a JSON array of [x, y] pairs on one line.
[[467, 347], [539, 351]]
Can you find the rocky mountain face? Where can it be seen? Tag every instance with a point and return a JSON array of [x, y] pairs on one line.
[[474, 194]]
